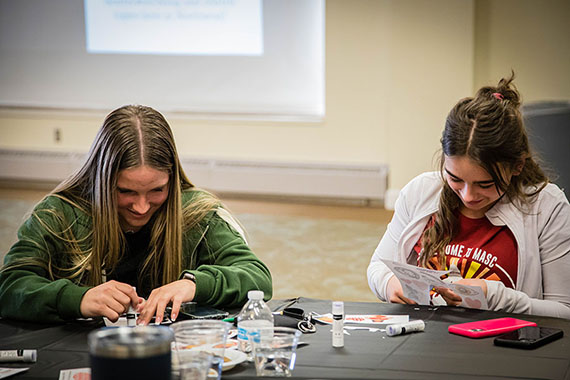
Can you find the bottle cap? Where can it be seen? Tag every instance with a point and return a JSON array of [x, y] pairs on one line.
[[338, 308], [392, 330], [30, 355], [255, 295]]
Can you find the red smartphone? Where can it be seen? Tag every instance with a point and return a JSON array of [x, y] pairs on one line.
[[488, 327]]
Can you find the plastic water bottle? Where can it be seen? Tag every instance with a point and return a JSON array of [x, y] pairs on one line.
[[254, 315]]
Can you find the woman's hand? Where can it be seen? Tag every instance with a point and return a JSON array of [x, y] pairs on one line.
[[110, 299], [176, 292], [474, 282], [448, 296], [454, 299], [394, 292]]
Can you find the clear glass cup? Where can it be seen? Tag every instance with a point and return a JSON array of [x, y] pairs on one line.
[[274, 351], [142, 352], [202, 335], [195, 365]]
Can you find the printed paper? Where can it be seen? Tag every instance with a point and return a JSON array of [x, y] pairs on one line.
[[75, 374], [417, 283], [374, 319]]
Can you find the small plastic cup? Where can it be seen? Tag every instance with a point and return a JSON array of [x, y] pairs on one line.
[[202, 335], [192, 365], [274, 351]]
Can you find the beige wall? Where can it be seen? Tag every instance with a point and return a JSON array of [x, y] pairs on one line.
[[393, 71], [530, 36]]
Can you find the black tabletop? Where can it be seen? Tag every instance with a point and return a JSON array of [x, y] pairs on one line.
[[432, 354]]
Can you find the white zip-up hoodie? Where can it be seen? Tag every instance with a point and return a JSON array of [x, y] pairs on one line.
[[542, 233]]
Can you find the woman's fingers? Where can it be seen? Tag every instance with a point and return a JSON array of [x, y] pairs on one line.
[[147, 311], [109, 300], [409, 301], [175, 309], [128, 290], [160, 307], [449, 296], [474, 282], [395, 292], [174, 294]]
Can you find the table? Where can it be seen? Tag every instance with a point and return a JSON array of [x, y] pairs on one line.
[[432, 354]]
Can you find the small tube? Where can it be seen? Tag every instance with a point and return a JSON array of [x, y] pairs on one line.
[[405, 328], [338, 324], [132, 314], [26, 356]]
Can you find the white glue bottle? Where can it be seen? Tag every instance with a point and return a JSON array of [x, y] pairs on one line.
[[338, 324], [26, 356], [254, 315], [405, 328]]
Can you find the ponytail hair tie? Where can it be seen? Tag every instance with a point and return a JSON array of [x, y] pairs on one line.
[[498, 95]]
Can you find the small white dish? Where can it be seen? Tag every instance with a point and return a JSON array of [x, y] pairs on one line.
[[236, 357], [231, 344]]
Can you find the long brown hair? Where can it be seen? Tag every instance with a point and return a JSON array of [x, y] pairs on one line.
[[130, 136], [489, 129]]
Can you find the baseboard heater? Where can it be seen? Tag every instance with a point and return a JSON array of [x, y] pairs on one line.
[[324, 181]]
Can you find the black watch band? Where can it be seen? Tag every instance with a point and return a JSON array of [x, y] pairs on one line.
[[189, 276]]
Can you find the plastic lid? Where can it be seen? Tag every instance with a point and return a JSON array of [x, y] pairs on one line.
[[130, 342], [338, 308], [255, 295], [30, 355]]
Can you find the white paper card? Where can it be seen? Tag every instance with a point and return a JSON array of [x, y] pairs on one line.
[[375, 319], [75, 374], [6, 372], [417, 283]]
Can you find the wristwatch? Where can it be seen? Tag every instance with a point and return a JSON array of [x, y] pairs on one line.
[[189, 276]]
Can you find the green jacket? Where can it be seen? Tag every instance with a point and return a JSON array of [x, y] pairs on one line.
[[226, 269]]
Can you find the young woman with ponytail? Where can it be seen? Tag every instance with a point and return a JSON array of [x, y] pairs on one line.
[[489, 215], [129, 217]]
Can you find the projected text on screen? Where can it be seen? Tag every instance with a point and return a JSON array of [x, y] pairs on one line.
[[177, 27]]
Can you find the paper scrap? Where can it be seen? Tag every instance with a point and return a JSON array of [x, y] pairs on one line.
[[6, 372], [122, 321], [75, 374]]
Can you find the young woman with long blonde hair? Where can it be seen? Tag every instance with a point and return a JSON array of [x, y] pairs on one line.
[[129, 217]]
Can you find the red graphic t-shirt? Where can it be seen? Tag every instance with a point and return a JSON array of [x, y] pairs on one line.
[[480, 250]]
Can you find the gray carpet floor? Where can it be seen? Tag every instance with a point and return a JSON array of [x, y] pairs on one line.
[[308, 257]]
